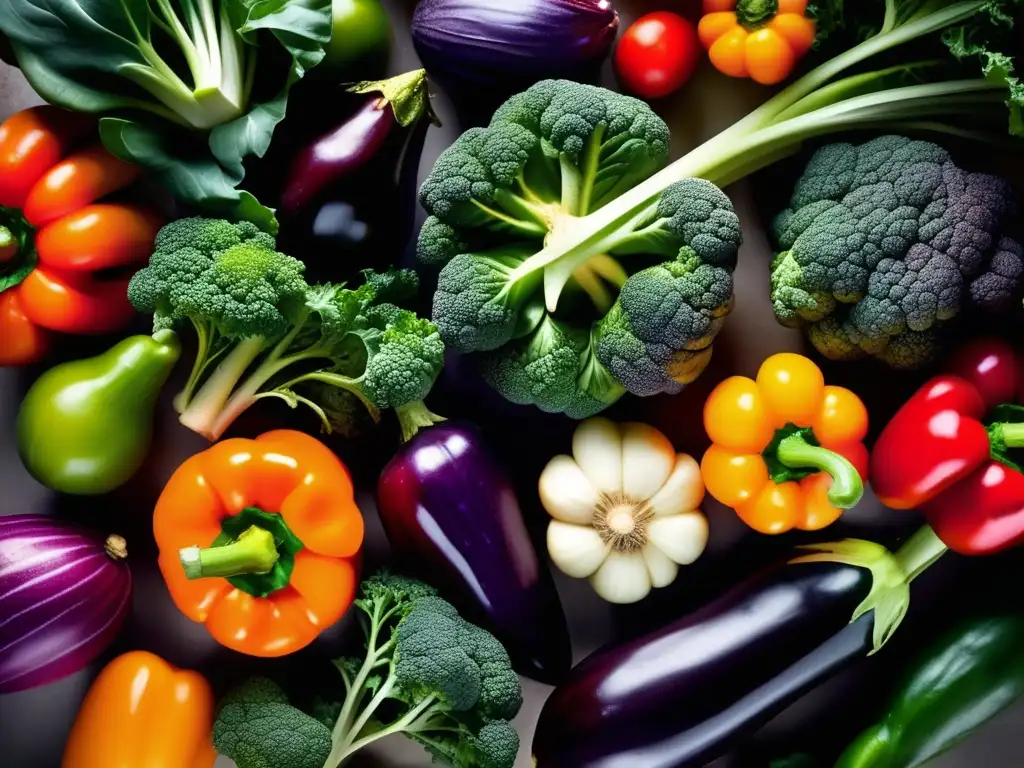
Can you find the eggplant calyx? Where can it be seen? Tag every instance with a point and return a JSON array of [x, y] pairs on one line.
[[891, 575], [406, 93], [889, 597]]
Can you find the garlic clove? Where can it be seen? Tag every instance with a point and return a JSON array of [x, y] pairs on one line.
[[647, 460], [622, 578], [682, 537], [576, 550], [662, 569], [566, 493], [683, 491], [597, 448]]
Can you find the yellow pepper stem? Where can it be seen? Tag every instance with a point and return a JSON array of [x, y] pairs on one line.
[[847, 487], [756, 13], [254, 551]]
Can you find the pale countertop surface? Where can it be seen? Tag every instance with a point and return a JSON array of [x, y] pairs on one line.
[[34, 724]]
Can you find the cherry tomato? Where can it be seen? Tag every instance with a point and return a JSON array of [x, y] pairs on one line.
[[75, 302], [21, 341], [75, 182], [657, 54], [98, 237], [31, 143]]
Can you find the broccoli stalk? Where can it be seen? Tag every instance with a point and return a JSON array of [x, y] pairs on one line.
[[263, 332], [426, 674]]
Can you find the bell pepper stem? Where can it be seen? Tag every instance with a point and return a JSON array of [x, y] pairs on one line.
[[919, 552], [254, 551], [1012, 434], [847, 487], [9, 245], [756, 13]]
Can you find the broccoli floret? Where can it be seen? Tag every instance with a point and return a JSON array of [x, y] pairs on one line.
[[263, 331], [885, 243], [552, 369], [503, 197], [257, 728], [427, 674]]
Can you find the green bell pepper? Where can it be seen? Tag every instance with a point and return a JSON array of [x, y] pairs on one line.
[[85, 426], [962, 682]]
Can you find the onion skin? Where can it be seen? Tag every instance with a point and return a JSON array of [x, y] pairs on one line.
[[512, 42], [453, 519], [63, 599]]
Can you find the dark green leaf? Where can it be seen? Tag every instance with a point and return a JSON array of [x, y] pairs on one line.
[[196, 179]]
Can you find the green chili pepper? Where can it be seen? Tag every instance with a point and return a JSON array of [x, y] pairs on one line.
[[965, 680]]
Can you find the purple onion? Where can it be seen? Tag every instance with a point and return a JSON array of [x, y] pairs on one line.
[[515, 42], [64, 595]]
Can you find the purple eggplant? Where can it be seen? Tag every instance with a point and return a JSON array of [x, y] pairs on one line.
[[350, 193], [499, 43], [683, 695], [64, 595], [453, 519]]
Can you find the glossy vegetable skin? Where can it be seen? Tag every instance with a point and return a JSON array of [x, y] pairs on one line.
[[960, 682], [260, 541], [479, 43], [66, 593], [85, 426], [141, 712], [657, 55], [452, 515], [759, 39], [360, 37], [679, 697], [948, 452], [61, 234], [786, 450]]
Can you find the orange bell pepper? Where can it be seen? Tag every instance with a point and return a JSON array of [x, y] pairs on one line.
[[260, 540], [759, 39], [56, 233], [143, 713], [786, 451]]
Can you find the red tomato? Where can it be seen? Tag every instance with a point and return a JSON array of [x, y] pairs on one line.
[[657, 54], [21, 341]]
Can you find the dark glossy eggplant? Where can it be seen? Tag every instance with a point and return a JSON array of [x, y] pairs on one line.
[[683, 695], [346, 199], [453, 519]]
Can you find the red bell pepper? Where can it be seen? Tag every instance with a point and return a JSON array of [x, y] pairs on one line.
[[942, 456]]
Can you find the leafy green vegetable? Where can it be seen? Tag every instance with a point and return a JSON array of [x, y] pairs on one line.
[[427, 674], [565, 175], [550, 156], [187, 88], [886, 242], [262, 331]]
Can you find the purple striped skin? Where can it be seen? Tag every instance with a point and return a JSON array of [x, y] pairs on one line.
[[63, 600]]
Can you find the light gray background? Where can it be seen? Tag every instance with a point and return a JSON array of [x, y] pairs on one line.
[[34, 724]]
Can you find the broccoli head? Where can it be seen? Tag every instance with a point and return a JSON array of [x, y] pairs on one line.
[[566, 328], [885, 243], [263, 331], [427, 674]]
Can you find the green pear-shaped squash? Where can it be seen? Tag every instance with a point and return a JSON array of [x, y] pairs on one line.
[[85, 426]]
